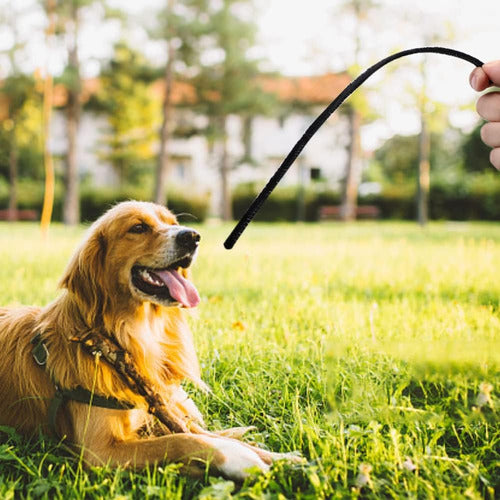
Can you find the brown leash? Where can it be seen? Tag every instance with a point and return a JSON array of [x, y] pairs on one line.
[[97, 344]]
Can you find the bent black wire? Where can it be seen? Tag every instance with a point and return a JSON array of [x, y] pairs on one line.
[[319, 121]]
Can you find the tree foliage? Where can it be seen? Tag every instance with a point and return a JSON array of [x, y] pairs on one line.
[[21, 126], [133, 112], [226, 82], [396, 162], [225, 74], [476, 155]]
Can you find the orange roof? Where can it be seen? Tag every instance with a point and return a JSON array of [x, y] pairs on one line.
[[319, 89], [182, 92]]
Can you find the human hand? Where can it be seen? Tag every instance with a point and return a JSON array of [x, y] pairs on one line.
[[488, 107]]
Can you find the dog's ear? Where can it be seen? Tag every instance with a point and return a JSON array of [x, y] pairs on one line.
[[84, 276]]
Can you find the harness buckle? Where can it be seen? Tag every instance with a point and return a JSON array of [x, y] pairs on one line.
[[40, 352]]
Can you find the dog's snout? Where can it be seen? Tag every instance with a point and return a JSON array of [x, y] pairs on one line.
[[188, 239]]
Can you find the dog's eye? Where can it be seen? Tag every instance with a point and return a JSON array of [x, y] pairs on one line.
[[139, 228]]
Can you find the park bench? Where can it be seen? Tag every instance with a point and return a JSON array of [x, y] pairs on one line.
[[332, 212], [16, 215]]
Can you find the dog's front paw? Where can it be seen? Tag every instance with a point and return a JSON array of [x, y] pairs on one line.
[[293, 457], [234, 460], [235, 432], [269, 457]]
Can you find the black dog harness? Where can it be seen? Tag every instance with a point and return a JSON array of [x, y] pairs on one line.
[[40, 355], [96, 344]]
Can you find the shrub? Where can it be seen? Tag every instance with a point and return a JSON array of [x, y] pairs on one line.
[[471, 197], [95, 201], [195, 205], [394, 202], [280, 206], [30, 196], [283, 204], [468, 197]]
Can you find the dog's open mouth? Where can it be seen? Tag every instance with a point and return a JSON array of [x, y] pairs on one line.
[[166, 285]]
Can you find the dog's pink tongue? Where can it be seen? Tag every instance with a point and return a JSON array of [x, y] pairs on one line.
[[180, 288]]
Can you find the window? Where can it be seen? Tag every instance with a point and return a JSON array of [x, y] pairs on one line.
[[315, 173], [180, 170]]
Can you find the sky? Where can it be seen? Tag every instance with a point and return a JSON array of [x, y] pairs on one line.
[[311, 37], [300, 37]]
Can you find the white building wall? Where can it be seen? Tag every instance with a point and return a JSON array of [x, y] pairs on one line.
[[195, 165], [92, 129], [272, 140]]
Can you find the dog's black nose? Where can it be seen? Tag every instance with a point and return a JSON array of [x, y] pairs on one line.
[[188, 239]]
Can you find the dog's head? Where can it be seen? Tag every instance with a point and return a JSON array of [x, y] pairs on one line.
[[134, 253]]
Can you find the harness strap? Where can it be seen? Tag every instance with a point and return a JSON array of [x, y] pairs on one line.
[[82, 395], [121, 361], [79, 394]]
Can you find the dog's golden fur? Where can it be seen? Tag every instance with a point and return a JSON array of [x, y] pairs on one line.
[[98, 295]]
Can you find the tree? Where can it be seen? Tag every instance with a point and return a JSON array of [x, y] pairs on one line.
[[424, 152], [18, 89], [398, 157], [132, 112], [225, 81], [359, 9], [433, 116], [168, 22], [433, 120], [68, 15], [476, 155], [179, 26]]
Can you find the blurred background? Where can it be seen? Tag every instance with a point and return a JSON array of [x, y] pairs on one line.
[[195, 103]]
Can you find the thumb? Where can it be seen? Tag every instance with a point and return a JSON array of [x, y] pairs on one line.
[[492, 70]]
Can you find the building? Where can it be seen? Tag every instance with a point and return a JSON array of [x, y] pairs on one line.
[[262, 141]]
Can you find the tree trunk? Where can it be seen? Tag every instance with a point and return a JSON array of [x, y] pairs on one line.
[[226, 208], [301, 191], [424, 148], [13, 170], [163, 166], [71, 211], [350, 194]]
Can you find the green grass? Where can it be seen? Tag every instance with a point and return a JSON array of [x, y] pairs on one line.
[[358, 345]]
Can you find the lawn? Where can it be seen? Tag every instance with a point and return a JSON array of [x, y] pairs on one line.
[[372, 349]]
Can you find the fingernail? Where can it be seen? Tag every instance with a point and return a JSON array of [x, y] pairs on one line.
[[474, 80]]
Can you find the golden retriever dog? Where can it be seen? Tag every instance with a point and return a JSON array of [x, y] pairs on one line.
[[129, 282]]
